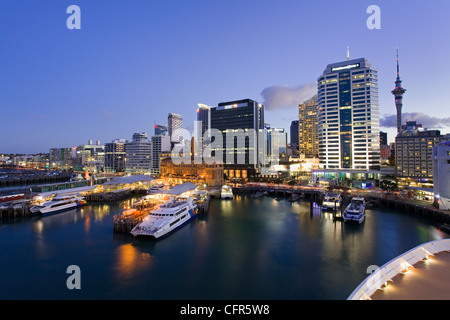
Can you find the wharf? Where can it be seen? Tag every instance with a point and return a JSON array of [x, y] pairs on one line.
[[126, 221], [421, 208], [15, 209]]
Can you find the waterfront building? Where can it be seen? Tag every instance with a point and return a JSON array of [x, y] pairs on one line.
[[115, 155], [160, 145], [200, 174], [348, 116], [398, 94], [348, 177], [138, 154], [175, 122], [90, 156], [413, 154], [240, 120], [441, 174], [29, 161], [308, 138], [62, 158]]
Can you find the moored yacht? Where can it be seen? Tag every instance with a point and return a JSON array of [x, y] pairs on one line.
[[355, 211], [168, 217], [332, 201], [226, 192], [58, 204]]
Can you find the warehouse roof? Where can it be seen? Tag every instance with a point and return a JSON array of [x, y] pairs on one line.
[[130, 179]]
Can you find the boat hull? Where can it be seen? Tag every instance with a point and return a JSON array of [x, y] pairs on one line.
[[161, 233], [355, 218], [331, 207], [63, 208]]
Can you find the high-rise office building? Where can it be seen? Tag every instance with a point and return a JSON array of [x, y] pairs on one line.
[[414, 153], [160, 144], [308, 138], [348, 118], [138, 154], [244, 120], [175, 122], [115, 155], [383, 138], [276, 144], [294, 135], [203, 122]]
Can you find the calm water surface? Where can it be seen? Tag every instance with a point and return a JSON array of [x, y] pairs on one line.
[[242, 249]]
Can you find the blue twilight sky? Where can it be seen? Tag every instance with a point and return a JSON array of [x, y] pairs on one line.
[[134, 61]]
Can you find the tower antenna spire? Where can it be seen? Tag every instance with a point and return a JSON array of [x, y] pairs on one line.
[[348, 53]]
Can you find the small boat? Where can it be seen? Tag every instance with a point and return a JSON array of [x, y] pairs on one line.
[[332, 201], [58, 204], [169, 216], [226, 192], [355, 211]]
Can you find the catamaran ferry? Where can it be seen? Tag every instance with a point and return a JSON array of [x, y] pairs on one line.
[[58, 204], [168, 217]]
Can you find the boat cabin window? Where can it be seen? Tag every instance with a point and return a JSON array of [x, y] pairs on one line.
[[181, 211]]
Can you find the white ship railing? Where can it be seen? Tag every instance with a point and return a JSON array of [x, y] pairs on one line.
[[401, 264]]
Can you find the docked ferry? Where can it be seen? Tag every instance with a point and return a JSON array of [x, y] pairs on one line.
[[168, 217], [355, 211], [58, 204], [332, 201]]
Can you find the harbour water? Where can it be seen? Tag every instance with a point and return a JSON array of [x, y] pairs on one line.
[[246, 248]]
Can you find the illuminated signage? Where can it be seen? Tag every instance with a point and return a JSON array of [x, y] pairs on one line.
[[347, 67]]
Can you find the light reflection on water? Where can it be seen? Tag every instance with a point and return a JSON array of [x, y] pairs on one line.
[[246, 248]]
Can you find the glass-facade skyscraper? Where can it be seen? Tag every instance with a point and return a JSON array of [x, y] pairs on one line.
[[203, 116], [246, 115], [348, 119]]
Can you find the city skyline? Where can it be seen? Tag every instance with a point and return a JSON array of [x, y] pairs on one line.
[[131, 64]]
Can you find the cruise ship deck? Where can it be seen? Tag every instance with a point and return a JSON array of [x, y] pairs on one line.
[[427, 280]]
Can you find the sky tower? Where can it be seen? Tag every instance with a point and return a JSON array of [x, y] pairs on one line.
[[398, 94]]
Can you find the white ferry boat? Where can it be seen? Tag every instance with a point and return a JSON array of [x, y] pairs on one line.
[[226, 192], [157, 188], [58, 204], [355, 211], [332, 201], [168, 217]]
